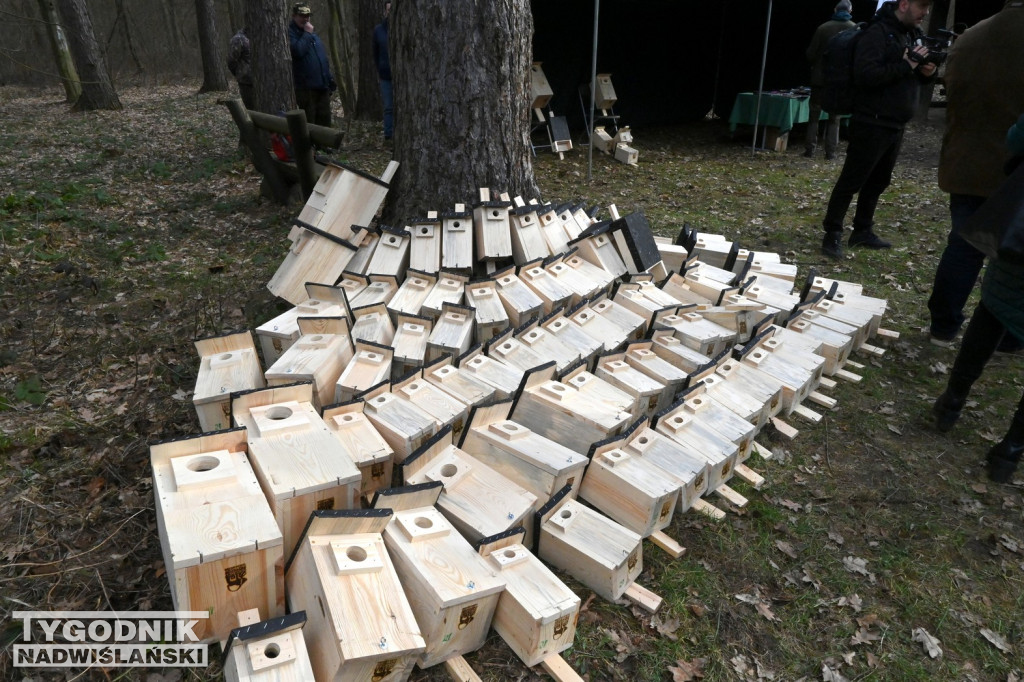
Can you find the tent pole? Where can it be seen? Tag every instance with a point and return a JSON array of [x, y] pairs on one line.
[[593, 87], [760, 84]]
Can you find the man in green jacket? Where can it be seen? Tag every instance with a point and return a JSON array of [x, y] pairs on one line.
[[840, 21]]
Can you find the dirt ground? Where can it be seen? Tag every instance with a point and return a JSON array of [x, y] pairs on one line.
[[125, 236]]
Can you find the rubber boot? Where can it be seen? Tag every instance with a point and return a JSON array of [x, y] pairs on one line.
[[946, 410], [1003, 458]]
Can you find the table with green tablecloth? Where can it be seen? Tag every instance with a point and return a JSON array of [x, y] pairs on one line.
[[778, 114]]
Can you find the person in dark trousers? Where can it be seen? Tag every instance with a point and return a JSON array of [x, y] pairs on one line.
[[240, 65], [840, 21], [383, 62], [888, 69], [1000, 312], [310, 68], [981, 103]]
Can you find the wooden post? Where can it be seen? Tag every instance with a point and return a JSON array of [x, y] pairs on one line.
[[302, 147], [260, 158]]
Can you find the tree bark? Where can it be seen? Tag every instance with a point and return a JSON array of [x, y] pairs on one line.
[[97, 90], [343, 43], [61, 51], [368, 104], [266, 24], [215, 78], [462, 103], [122, 20]]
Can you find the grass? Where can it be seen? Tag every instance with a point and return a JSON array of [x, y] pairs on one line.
[[149, 233]]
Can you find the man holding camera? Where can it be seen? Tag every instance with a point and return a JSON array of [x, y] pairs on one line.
[[888, 69], [982, 102]]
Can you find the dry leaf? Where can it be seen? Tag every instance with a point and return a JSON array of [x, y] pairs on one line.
[[872, 659], [740, 664], [697, 610], [786, 548], [1009, 543], [763, 609], [979, 488], [864, 636], [895, 430], [831, 675], [996, 640], [930, 644], [791, 505], [857, 565], [666, 627], [687, 671], [836, 537]]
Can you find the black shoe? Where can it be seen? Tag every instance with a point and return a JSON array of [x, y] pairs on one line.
[[1009, 345], [829, 156], [946, 411], [832, 245], [809, 153], [1002, 461], [868, 240]]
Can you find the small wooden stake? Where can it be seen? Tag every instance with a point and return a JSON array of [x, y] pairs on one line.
[[643, 598], [809, 415], [662, 540], [731, 496], [784, 428], [560, 671], [458, 669], [708, 509], [822, 399], [748, 475]]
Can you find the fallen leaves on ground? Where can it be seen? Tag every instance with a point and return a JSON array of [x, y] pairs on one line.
[[687, 671], [930, 643]]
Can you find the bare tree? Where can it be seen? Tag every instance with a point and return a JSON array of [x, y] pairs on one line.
[[462, 102], [368, 104], [97, 90], [343, 43], [61, 51], [215, 78], [266, 24]]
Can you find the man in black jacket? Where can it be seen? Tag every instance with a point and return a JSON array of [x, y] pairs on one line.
[[310, 68], [888, 69]]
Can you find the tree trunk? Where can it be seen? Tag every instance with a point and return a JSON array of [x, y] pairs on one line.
[[61, 51], [167, 7], [215, 77], [266, 24], [122, 20], [368, 104], [462, 103], [343, 43], [97, 90]]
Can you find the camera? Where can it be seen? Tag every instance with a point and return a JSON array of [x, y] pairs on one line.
[[938, 47]]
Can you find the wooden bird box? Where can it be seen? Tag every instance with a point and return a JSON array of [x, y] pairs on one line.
[[404, 426], [314, 256], [862, 320], [572, 335], [319, 356], [733, 396], [452, 332], [772, 299], [273, 650], [513, 352], [682, 426], [552, 230], [370, 365], [723, 421], [597, 389], [528, 242], [453, 592], [457, 239], [835, 347], [368, 450], [601, 140], [227, 363], [570, 225], [696, 332], [490, 314], [679, 288], [682, 466], [449, 288], [478, 500], [222, 548], [502, 377], [391, 257], [604, 95], [554, 292], [446, 409], [650, 290], [410, 295], [547, 345], [537, 613], [366, 239], [345, 196], [629, 489], [601, 277], [632, 299], [602, 554], [559, 412], [595, 245], [463, 386], [634, 325], [280, 332], [673, 351], [573, 279], [425, 244], [410, 343], [372, 323], [353, 283], [520, 302], [538, 464], [626, 154], [641, 357], [299, 463], [795, 380], [379, 289], [540, 89], [361, 624], [492, 228], [632, 233], [713, 249], [650, 394]]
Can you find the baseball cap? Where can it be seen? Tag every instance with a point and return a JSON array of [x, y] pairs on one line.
[[300, 8]]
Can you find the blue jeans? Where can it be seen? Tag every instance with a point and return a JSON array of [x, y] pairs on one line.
[[387, 98], [957, 272], [867, 171]]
